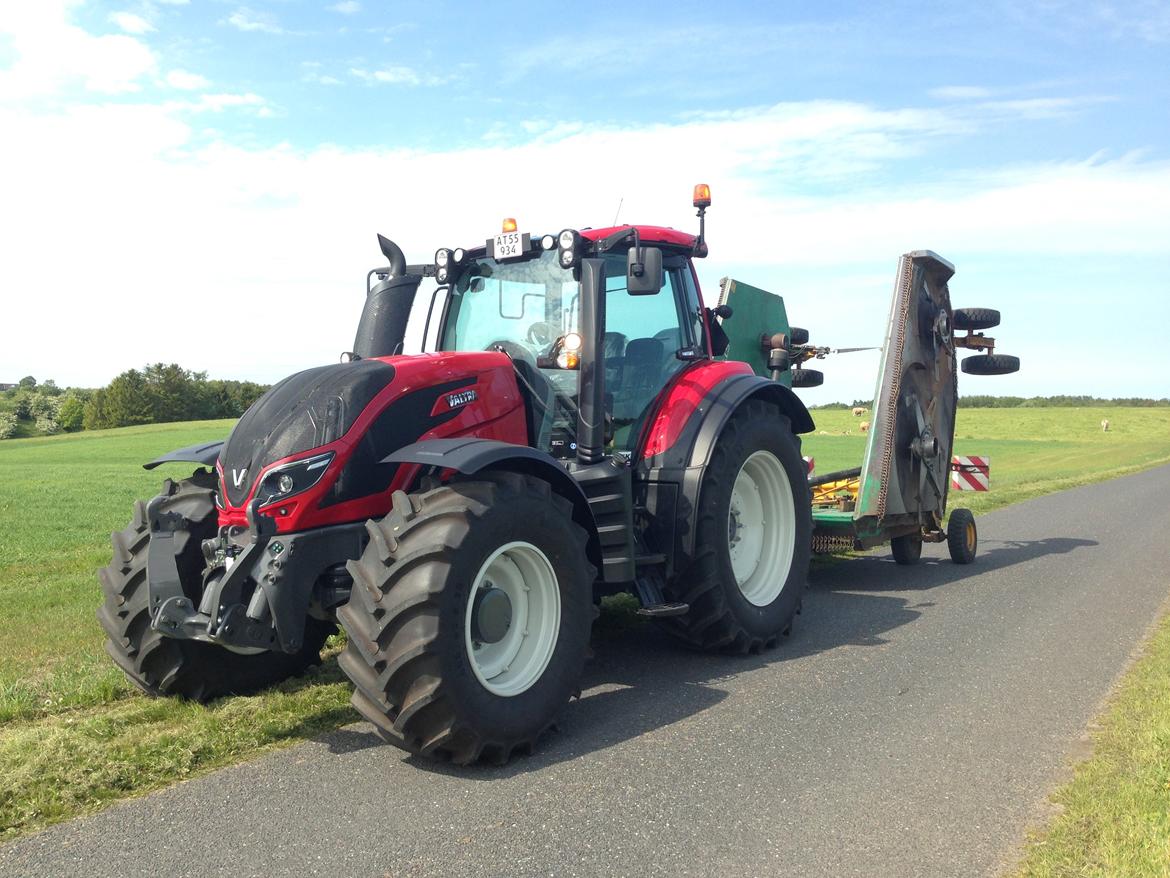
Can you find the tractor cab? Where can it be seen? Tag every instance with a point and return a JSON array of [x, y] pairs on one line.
[[528, 305]]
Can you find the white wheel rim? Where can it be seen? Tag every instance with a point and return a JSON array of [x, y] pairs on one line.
[[761, 528], [514, 663]]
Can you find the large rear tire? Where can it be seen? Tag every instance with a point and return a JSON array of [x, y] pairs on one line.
[[469, 618], [753, 537], [161, 665]]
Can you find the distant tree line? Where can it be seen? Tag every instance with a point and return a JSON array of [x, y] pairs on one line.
[[1025, 402], [1012, 402], [157, 393]]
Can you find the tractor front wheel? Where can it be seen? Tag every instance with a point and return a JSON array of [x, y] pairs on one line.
[[753, 537], [469, 618], [160, 665]]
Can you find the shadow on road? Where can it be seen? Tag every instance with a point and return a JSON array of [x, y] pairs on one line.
[[640, 680], [879, 572]]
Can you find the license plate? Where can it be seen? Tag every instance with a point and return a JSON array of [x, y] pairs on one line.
[[510, 245]]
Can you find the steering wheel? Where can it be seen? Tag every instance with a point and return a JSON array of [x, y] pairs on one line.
[[513, 350], [541, 333]]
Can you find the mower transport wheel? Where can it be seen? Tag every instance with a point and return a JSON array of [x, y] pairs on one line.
[[962, 536], [806, 378], [906, 549], [469, 617], [161, 665], [990, 364], [975, 318], [752, 538]]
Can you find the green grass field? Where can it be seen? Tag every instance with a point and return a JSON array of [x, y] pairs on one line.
[[74, 734]]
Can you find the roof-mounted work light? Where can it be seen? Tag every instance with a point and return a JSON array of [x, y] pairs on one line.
[[701, 200], [447, 261], [569, 248]]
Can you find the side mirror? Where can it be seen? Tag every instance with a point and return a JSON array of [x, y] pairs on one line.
[[644, 278]]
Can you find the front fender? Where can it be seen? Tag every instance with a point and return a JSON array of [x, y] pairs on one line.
[[470, 455], [206, 453]]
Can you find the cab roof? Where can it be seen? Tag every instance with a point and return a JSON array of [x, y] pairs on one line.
[[647, 234]]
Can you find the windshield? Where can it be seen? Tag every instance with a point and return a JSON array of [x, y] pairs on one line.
[[523, 303]]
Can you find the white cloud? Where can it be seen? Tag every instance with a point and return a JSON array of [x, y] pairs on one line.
[[217, 103], [52, 54], [397, 76], [797, 209], [247, 20], [131, 23], [347, 7], [185, 81]]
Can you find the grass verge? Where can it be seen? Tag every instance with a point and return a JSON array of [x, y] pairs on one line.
[[75, 735], [1114, 815]]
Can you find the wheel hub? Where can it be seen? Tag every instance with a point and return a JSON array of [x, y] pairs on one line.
[[491, 615], [761, 525], [512, 619]]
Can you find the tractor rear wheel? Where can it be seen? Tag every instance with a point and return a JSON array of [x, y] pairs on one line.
[[161, 665], [753, 537], [469, 617]]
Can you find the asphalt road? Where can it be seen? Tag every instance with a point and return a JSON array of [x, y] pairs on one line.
[[911, 725]]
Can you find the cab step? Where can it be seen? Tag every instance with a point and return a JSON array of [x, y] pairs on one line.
[[665, 610]]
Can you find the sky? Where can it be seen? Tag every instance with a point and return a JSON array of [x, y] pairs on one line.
[[202, 182]]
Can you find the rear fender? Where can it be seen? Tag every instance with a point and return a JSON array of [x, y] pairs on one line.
[[673, 476], [470, 455]]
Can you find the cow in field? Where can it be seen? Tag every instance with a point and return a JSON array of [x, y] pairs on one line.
[[865, 426], [858, 411], [1104, 425]]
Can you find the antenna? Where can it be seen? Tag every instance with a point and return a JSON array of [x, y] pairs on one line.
[[619, 210]]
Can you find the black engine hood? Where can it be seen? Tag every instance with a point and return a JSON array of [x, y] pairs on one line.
[[302, 412]]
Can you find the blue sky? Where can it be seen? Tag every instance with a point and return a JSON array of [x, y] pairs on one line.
[[202, 163]]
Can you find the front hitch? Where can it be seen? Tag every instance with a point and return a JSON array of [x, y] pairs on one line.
[[261, 599]]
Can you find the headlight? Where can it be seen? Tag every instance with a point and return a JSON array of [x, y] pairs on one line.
[[548, 242], [441, 257], [292, 478]]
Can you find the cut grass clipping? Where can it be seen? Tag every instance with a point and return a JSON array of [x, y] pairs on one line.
[[75, 735]]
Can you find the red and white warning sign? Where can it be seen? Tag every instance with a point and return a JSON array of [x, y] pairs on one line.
[[971, 473]]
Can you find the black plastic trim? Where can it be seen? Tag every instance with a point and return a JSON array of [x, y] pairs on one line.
[[470, 454], [206, 453]]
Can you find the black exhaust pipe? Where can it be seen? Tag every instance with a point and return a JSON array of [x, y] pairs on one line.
[[381, 330], [591, 401]]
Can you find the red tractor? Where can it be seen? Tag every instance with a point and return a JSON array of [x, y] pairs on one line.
[[569, 433]]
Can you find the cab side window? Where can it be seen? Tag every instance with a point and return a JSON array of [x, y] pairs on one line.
[[643, 333]]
